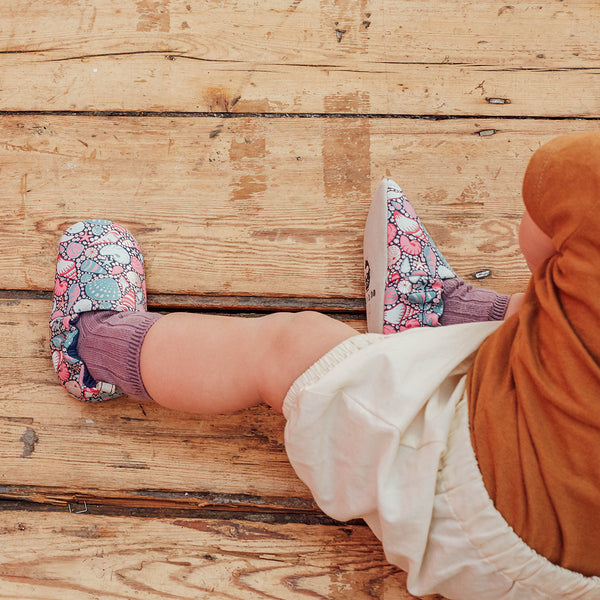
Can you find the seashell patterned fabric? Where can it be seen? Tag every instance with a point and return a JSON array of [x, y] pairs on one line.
[[99, 267], [416, 268]]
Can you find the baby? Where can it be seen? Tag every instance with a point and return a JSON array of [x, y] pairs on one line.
[[463, 428]]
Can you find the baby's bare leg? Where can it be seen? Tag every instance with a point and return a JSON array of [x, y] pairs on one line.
[[213, 364]]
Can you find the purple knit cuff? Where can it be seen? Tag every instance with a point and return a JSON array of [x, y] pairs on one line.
[[110, 345], [499, 307], [465, 304]]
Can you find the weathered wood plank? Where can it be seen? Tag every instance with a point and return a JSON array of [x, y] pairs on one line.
[[65, 556], [374, 56], [262, 207], [54, 449]]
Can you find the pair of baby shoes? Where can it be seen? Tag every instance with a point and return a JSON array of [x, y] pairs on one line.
[[403, 267], [100, 267]]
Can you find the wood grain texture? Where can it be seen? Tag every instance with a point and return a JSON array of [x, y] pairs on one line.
[[401, 56], [62, 556], [262, 207]]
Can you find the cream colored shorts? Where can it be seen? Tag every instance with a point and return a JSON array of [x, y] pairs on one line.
[[378, 429]]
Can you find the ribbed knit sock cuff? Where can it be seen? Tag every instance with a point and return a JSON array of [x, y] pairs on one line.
[[110, 344], [465, 304]]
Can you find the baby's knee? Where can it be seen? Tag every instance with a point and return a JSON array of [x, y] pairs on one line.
[[291, 343], [306, 320], [287, 333]]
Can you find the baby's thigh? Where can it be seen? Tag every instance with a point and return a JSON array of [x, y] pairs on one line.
[[292, 342]]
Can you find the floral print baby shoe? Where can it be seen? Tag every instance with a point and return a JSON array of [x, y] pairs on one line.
[[99, 267], [403, 267]]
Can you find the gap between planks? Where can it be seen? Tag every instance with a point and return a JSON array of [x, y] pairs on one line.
[[99, 507], [291, 115], [351, 308]]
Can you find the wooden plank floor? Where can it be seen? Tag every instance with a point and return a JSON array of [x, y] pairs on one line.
[[240, 141]]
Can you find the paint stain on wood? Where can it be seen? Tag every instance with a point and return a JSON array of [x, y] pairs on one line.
[[474, 194], [247, 157], [30, 439], [303, 235], [153, 15], [218, 99], [247, 149], [85, 533], [248, 186], [346, 148], [355, 102], [232, 530], [23, 191], [26, 420]]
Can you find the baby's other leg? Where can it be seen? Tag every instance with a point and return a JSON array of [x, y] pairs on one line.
[[214, 364], [408, 281]]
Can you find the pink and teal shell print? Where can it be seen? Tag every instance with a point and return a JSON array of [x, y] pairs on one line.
[[416, 268], [99, 267]]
